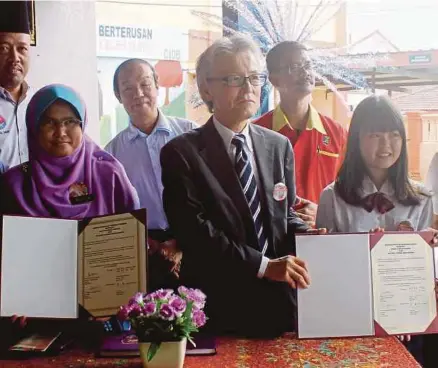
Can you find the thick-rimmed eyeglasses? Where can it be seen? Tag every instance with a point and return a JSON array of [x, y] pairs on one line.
[[239, 80], [52, 124]]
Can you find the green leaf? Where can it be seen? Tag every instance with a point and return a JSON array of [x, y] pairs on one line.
[[153, 348], [188, 311]]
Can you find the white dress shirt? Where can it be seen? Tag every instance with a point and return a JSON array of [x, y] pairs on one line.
[[145, 173], [13, 131], [339, 217], [227, 136]]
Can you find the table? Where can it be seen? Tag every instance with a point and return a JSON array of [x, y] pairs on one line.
[[283, 352]]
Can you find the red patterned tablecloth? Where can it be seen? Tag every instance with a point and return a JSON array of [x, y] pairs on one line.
[[279, 353]]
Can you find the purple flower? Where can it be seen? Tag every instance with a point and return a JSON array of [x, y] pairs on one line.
[[159, 294], [197, 297], [136, 310], [166, 312], [136, 299], [178, 305], [164, 293], [123, 313], [149, 308], [182, 290], [199, 318]]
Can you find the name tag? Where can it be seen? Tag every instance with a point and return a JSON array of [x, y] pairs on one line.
[[78, 193], [82, 199]]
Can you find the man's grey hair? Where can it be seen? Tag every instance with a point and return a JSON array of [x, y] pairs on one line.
[[234, 44]]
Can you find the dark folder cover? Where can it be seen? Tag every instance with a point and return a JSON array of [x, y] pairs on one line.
[[127, 345]]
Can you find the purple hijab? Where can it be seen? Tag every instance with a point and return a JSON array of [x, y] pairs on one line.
[[43, 186]]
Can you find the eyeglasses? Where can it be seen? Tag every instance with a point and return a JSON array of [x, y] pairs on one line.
[[239, 80], [52, 124], [295, 67]]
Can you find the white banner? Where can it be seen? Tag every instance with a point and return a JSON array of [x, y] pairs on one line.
[[141, 41]]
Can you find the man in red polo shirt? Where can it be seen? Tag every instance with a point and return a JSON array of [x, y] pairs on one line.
[[318, 141]]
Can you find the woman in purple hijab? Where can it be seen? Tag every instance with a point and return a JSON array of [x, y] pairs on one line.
[[67, 176]]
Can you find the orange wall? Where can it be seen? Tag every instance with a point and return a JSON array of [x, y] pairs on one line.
[[330, 105], [342, 112], [323, 102], [200, 40], [415, 136], [420, 152]]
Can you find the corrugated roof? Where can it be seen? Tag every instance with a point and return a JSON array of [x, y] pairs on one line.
[[421, 98]]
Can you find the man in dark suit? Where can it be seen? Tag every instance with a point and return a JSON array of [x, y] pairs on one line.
[[228, 195]]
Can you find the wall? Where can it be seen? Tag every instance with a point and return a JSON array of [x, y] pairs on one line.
[[66, 52], [429, 144], [342, 109], [172, 13], [421, 148], [333, 33], [199, 41], [323, 101], [414, 133], [427, 151]]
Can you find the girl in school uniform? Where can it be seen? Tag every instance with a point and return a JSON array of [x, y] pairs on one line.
[[372, 189], [432, 184]]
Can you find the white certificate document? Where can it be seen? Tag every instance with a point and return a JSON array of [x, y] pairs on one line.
[[403, 283], [112, 265], [339, 300], [39, 268]]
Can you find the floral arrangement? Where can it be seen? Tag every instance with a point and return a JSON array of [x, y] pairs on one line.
[[165, 315]]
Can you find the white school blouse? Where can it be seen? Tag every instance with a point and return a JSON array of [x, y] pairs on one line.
[[432, 181], [340, 217]]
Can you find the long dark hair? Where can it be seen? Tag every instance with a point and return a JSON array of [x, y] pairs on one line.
[[374, 114]]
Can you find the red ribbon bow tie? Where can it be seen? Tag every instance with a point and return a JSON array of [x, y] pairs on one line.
[[378, 201]]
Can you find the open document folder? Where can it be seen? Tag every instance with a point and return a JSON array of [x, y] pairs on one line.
[[49, 266], [371, 284]]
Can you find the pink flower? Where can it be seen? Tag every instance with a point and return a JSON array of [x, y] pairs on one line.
[[136, 310], [199, 318], [159, 294], [197, 297], [149, 308], [182, 290], [178, 305], [166, 312], [136, 299], [123, 313], [164, 293]]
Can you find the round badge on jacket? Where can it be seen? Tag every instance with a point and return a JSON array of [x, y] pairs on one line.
[[280, 192], [2, 122]]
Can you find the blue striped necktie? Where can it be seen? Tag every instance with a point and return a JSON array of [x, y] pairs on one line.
[[249, 185]]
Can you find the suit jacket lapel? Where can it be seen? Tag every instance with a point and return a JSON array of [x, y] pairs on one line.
[[217, 159], [264, 157]]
